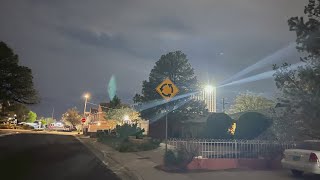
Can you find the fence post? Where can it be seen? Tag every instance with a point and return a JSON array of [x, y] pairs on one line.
[[236, 148], [205, 148]]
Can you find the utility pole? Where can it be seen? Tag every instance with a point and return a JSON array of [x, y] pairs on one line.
[[223, 105], [52, 115]]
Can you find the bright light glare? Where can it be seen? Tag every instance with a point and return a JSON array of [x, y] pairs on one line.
[[86, 95], [99, 124], [208, 88], [126, 118]]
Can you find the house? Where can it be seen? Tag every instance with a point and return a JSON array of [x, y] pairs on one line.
[[96, 120]]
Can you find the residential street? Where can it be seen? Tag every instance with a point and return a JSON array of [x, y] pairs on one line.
[[47, 156]]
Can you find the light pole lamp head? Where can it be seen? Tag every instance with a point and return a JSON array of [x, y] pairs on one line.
[[86, 95], [209, 88]]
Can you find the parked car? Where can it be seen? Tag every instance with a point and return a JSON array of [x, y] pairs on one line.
[[67, 128], [303, 159]]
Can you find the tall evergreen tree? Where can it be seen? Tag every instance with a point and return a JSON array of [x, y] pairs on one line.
[[16, 82], [115, 103], [301, 87], [176, 67]]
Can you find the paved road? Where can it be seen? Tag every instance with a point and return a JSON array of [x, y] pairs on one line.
[[47, 156]]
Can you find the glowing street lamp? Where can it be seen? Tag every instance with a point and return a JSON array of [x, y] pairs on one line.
[[209, 96], [209, 88], [86, 96], [126, 119]]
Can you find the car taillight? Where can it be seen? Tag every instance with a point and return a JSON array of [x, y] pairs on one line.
[[313, 157]]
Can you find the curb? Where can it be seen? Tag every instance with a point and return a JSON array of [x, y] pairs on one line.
[[8, 134], [121, 171]]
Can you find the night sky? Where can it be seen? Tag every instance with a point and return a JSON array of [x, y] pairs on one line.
[[76, 46]]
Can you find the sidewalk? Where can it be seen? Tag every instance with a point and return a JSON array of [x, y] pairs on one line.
[[140, 164]]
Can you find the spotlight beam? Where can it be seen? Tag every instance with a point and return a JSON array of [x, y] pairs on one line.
[[151, 104], [261, 76], [270, 59]]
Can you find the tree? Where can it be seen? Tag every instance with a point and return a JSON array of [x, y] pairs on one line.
[[250, 102], [115, 102], [301, 87], [20, 110], [251, 124], [16, 81], [218, 125], [307, 29], [32, 116], [72, 116], [120, 114], [137, 98], [46, 121], [176, 67]]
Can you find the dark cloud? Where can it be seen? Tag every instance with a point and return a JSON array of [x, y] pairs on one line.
[[76, 46]]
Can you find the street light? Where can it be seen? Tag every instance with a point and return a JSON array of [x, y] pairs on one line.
[[209, 88], [126, 119], [86, 96], [210, 96]]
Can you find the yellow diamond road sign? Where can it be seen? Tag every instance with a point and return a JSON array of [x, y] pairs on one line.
[[167, 89]]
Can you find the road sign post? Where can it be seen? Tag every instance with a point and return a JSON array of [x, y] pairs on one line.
[[167, 89]]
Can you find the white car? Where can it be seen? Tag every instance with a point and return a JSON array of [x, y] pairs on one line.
[[303, 159]]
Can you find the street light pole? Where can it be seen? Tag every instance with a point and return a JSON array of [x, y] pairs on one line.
[[167, 111], [86, 96], [85, 106]]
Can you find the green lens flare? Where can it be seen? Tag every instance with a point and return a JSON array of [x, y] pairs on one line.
[[112, 87]]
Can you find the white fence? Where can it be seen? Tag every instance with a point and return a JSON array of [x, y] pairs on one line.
[[215, 148]]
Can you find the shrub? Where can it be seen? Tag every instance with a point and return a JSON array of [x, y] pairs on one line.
[[185, 154], [182, 157], [170, 159], [129, 130], [127, 146], [218, 125], [250, 125], [100, 135], [152, 144], [6, 126]]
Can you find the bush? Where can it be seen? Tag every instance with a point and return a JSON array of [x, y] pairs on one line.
[[182, 157], [170, 159], [100, 135], [129, 130], [124, 144], [127, 146], [6, 126], [218, 125], [250, 125], [152, 144]]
